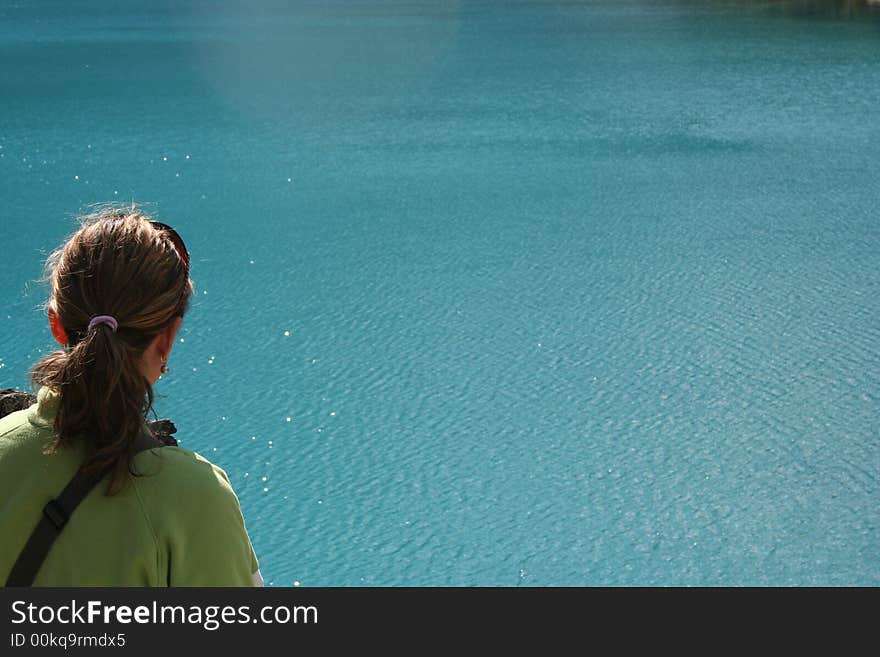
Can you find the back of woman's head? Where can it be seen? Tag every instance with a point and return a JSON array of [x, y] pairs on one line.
[[122, 265]]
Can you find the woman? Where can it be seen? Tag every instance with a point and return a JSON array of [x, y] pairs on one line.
[[88, 495]]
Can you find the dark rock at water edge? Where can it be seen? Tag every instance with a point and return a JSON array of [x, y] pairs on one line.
[[15, 400]]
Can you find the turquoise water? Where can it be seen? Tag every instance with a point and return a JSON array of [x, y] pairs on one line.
[[489, 293]]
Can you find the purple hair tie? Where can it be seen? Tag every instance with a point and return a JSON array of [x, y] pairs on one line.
[[103, 319]]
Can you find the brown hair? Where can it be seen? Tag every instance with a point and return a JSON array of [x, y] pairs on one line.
[[116, 264]]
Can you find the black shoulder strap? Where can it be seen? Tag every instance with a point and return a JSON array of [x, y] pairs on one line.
[[55, 515], [57, 512]]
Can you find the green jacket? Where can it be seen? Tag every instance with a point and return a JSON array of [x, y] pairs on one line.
[[179, 525]]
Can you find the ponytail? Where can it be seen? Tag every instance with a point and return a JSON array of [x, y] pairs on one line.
[[104, 399]]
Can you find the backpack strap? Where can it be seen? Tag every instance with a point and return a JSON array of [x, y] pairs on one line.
[[55, 516], [57, 512]]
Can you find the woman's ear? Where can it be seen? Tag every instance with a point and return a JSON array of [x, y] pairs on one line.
[[58, 331], [166, 337]]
